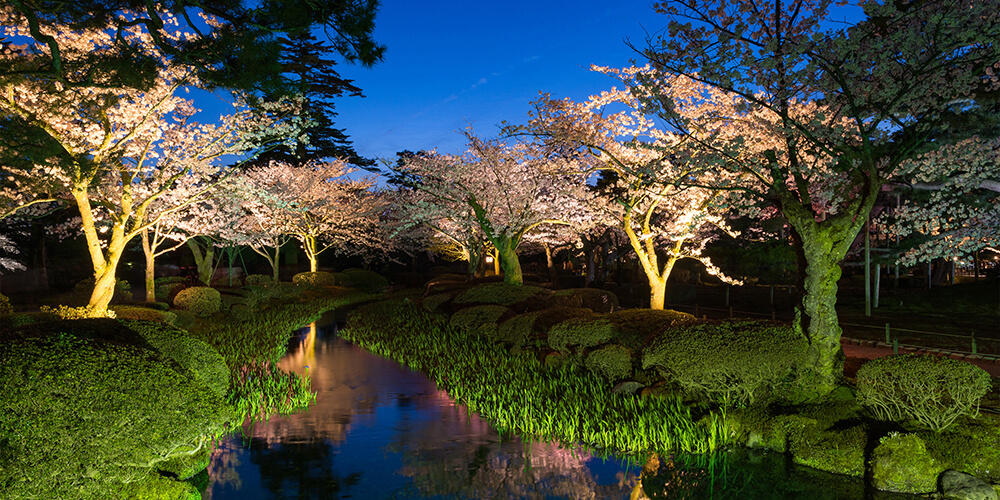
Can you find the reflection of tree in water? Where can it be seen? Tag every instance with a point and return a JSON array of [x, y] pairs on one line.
[[299, 470], [457, 455], [223, 468]]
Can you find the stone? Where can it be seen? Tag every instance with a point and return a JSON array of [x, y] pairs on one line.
[[627, 387], [961, 486]]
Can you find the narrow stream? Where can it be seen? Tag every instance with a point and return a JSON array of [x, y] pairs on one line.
[[379, 430]]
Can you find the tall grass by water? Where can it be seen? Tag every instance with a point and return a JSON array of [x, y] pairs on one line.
[[520, 395]]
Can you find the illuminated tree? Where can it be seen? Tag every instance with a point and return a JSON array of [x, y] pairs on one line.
[[117, 151], [504, 190], [827, 112], [662, 200], [320, 205]]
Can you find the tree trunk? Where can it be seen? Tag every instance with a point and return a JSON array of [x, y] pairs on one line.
[[509, 262], [150, 256], [657, 293], [203, 260], [274, 263], [550, 265]]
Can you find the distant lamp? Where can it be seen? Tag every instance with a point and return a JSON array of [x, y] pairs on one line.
[[489, 259]]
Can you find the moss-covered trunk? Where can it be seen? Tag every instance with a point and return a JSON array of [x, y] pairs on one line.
[[509, 262], [823, 246], [204, 260]]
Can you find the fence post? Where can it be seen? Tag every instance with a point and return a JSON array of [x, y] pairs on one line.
[[727, 295], [772, 296], [895, 346], [887, 338], [974, 347], [696, 310], [730, 312]]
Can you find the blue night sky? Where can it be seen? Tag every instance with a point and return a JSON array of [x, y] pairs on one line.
[[450, 64]]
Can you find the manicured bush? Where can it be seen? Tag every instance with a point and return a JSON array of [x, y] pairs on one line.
[[80, 416], [199, 300], [503, 294], [901, 463], [481, 320], [433, 302], [196, 356], [972, 445], [533, 327], [362, 279], [5, 307], [258, 280], [931, 390], [595, 299], [166, 292], [613, 362], [734, 363], [313, 279], [144, 314], [18, 320], [639, 326], [82, 312], [577, 333]]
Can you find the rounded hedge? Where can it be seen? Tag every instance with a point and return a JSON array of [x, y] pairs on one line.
[[199, 300], [534, 326], [166, 292], [479, 319], [577, 333], [930, 390], [433, 302], [314, 278], [82, 416], [203, 362], [144, 314], [613, 362], [258, 280], [640, 326], [733, 362]]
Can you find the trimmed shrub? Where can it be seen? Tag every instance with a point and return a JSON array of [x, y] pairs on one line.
[[738, 362], [580, 333], [901, 463], [362, 279], [18, 320], [503, 294], [313, 279], [613, 362], [82, 312], [931, 390], [79, 414], [196, 356], [166, 292], [595, 299], [199, 300], [640, 326], [5, 307], [144, 314], [258, 280], [972, 446], [433, 302], [533, 327], [481, 320]]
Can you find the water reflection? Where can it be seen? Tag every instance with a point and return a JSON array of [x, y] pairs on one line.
[[378, 430]]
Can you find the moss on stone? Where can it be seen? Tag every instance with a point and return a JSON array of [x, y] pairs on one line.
[[972, 446], [613, 362], [577, 333], [480, 319], [839, 451], [902, 463]]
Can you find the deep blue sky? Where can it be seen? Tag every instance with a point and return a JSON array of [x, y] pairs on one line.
[[450, 64]]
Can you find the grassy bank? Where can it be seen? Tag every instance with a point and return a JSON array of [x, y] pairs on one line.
[[121, 408], [518, 394]]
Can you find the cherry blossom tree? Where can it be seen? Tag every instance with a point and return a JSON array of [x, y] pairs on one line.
[[320, 204], [960, 216], [504, 190], [661, 199], [119, 150], [827, 112]]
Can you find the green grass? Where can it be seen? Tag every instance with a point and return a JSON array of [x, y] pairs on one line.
[[518, 395]]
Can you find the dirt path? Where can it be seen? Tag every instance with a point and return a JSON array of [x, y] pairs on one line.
[[858, 353]]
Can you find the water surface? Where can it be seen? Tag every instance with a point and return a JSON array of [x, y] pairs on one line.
[[379, 430]]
